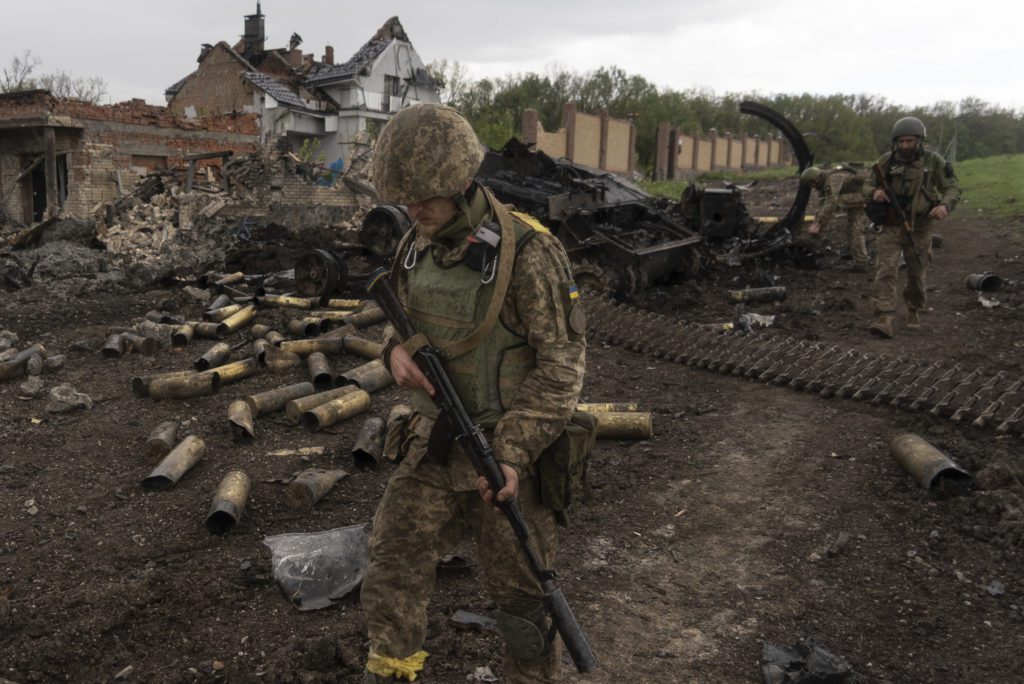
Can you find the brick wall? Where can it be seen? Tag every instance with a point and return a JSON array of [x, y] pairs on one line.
[[216, 87], [696, 154], [594, 140]]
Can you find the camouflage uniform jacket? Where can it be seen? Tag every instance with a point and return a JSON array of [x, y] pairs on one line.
[[535, 309], [841, 188], [920, 184]]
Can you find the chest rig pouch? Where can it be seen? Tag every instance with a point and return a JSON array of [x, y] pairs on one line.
[[563, 467]]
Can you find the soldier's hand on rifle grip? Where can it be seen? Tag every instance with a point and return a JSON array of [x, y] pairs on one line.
[[938, 213], [880, 196], [406, 373], [507, 493]]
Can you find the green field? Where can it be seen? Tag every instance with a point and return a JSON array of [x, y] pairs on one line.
[[992, 186]]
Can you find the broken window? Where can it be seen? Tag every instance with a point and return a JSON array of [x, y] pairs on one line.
[[391, 88]]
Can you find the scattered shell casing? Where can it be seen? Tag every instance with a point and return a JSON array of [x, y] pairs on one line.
[[161, 440], [277, 360], [114, 346], [369, 445], [339, 332], [344, 303], [758, 294], [360, 346], [218, 315], [236, 321], [233, 372], [274, 400], [310, 486], [215, 356], [14, 367], [305, 327], [175, 464], [336, 410], [240, 420], [146, 346], [259, 330], [206, 329], [219, 302], [229, 279], [141, 383], [333, 316], [320, 372], [370, 376], [284, 301], [324, 345], [275, 338], [623, 425], [228, 503], [259, 350], [182, 385], [924, 462], [182, 335], [608, 408], [366, 318], [295, 408]]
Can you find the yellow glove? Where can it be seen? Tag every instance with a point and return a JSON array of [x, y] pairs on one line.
[[399, 668]]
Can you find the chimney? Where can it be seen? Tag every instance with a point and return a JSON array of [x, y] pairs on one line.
[[328, 55], [295, 57], [254, 36]]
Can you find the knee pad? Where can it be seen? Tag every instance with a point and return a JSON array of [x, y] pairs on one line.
[[525, 637]]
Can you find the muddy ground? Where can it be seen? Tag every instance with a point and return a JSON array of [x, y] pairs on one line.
[[722, 533]]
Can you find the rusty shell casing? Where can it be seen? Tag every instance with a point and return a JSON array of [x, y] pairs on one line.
[[215, 356], [310, 486], [275, 338], [114, 346], [183, 385], [924, 462], [141, 383], [284, 301], [336, 410], [305, 327], [370, 376], [240, 420], [339, 332], [278, 361], [218, 315], [274, 400], [139, 344], [984, 282], [630, 407], [219, 302], [182, 335], [186, 454], [236, 321], [336, 316], [345, 303], [161, 440], [206, 329], [360, 346], [259, 330], [369, 445], [324, 345], [366, 318], [14, 367], [623, 425], [233, 372], [229, 279], [259, 350], [295, 408], [758, 294], [228, 503], [320, 372]]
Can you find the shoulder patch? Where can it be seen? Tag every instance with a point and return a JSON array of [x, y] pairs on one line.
[[530, 221]]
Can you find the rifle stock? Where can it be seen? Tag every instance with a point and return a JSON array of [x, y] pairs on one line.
[[472, 437], [894, 202]]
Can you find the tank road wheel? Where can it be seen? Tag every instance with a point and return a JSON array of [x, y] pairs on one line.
[[319, 273], [591, 277]]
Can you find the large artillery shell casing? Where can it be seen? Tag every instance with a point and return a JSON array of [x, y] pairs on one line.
[[229, 279], [161, 440], [360, 346], [219, 302], [310, 486], [233, 372], [175, 464], [259, 330], [214, 356], [284, 301], [277, 360], [114, 346], [182, 335], [608, 408], [623, 425], [228, 503], [366, 318], [307, 327], [984, 282], [275, 338], [925, 463], [320, 372], [324, 345], [164, 317], [336, 316], [14, 367], [339, 332], [369, 442], [236, 321], [336, 410], [370, 376], [179, 385], [240, 420], [140, 384], [207, 330], [274, 400], [218, 315], [259, 351], [295, 408], [141, 345], [344, 303], [758, 294]]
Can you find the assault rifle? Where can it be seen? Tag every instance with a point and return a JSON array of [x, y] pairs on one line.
[[472, 438], [894, 202]]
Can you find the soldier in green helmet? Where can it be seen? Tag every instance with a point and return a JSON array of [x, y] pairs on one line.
[[493, 290], [924, 189], [841, 189]]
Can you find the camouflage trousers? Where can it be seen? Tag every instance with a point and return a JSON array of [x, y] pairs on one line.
[[890, 244], [420, 519], [856, 226]]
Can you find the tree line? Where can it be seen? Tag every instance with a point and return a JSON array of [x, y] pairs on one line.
[[836, 127], [22, 74]]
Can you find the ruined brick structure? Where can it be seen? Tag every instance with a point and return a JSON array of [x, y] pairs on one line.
[[679, 155], [594, 140]]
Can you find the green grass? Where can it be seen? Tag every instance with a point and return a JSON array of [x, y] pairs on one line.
[[673, 189], [992, 186]]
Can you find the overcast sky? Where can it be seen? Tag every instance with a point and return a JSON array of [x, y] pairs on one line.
[[912, 52]]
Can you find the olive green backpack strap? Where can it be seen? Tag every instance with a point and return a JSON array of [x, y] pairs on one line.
[[502, 280]]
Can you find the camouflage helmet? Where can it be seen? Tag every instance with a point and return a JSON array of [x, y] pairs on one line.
[[908, 125], [425, 151], [811, 175]]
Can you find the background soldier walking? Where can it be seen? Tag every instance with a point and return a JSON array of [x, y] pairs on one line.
[[841, 189]]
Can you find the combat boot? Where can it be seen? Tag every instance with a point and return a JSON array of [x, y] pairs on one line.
[[882, 327], [913, 319]]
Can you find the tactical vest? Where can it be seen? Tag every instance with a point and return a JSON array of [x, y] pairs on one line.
[[914, 182], [447, 304]]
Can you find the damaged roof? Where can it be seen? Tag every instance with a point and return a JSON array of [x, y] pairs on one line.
[[277, 90], [391, 30]]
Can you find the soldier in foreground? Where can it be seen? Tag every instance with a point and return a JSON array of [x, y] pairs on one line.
[[841, 189], [512, 332], [910, 189]]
